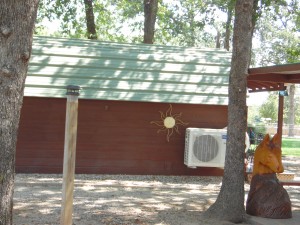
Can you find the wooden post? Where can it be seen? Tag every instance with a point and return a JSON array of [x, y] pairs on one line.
[[280, 117], [69, 154]]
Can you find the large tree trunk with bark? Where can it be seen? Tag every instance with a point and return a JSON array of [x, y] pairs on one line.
[[17, 19], [229, 205], [150, 11], [90, 19], [291, 113]]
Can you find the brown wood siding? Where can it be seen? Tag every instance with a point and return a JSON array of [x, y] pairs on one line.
[[114, 137]]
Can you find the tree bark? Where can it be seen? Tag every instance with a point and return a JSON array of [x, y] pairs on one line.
[[191, 39], [218, 39], [150, 11], [17, 19], [291, 114], [255, 15], [227, 27], [229, 205], [90, 19]]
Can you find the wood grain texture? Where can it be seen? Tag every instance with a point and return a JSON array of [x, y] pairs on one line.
[[114, 137], [69, 160]]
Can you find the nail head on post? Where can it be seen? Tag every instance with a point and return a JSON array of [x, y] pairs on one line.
[[73, 90]]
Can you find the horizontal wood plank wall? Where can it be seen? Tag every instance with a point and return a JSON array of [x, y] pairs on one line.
[[114, 137]]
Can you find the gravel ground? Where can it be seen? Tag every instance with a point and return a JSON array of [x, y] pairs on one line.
[[124, 199]]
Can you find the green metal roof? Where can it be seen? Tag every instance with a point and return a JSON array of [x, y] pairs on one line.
[[129, 72]]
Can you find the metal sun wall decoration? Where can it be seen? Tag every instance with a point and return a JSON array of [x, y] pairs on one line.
[[169, 122]]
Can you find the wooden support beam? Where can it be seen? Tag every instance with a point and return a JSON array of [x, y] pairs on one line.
[[280, 117], [69, 155]]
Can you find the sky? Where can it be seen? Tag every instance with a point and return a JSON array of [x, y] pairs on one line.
[[257, 98]]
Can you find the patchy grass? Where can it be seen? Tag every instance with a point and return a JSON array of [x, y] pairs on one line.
[[291, 146]]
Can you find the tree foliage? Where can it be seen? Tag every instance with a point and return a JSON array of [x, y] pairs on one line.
[[182, 22], [269, 109], [278, 40], [178, 22]]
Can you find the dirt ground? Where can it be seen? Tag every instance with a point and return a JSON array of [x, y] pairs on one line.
[[124, 199]]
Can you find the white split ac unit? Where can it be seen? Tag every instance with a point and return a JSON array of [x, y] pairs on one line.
[[205, 147]]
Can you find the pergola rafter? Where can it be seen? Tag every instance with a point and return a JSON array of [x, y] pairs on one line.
[[274, 78]]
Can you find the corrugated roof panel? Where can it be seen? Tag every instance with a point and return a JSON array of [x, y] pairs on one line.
[[131, 72], [132, 96], [109, 53], [119, 74], [129, 85], [94, 63]]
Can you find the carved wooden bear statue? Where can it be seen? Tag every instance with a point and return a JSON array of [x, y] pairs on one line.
[[267, 197]]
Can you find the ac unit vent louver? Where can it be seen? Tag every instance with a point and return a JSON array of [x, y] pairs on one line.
[[205, 147]]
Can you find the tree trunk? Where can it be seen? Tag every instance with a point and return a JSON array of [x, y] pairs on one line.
[[150, 11], [90, 19], [229, 205], [291, 117], [17, 19], [218, 39], [228, 27], [255, 15], [191, 38]]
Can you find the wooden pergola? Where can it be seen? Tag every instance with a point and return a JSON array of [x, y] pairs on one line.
[[274, 78]]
